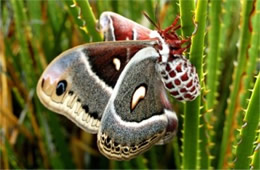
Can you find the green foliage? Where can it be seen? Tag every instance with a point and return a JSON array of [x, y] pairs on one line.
[[34, 32], [249, 129], [192, 109], [244, 40], [213, 54]]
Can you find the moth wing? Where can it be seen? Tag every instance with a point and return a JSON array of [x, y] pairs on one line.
[[80, 81], [138, 113], [116, 27]]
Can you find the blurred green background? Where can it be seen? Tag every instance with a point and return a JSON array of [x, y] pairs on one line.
[[225, 49]]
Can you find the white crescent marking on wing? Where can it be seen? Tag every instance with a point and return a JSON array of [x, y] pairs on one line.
[[139, 94], [117, 63]]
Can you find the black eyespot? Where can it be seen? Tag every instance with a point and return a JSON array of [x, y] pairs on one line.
[[61, 87], [126, 149]]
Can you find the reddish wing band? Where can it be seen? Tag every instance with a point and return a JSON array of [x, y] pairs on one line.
[[116, 27]]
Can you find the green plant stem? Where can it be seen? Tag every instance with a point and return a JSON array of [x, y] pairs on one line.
[[73, 10], [55, 18], [256, 155], [114, 5], [192, 109], [213, 55], [249, 129], [36, 24], [53, 157], [152, 157], [253, 55], [176, 152], [25, 58], [35, 17], [227, 49], [251, 120], [89, 17], [12, 157], [141, 162], [205, 140], [232, 101], [60, 142], [150, 9], [187, 13]]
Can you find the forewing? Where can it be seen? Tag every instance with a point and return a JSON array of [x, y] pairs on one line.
[[80, 81], [116, 27]]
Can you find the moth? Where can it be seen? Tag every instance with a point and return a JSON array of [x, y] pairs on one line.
[[117, 88]]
